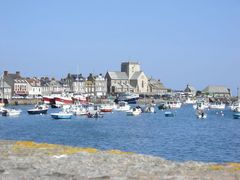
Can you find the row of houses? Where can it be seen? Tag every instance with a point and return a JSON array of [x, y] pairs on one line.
[[129, 79], [13, 85]]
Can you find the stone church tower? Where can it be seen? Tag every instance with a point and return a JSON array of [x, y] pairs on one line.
[[130, 68]]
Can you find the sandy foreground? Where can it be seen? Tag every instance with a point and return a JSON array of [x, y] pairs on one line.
[[30, 160]]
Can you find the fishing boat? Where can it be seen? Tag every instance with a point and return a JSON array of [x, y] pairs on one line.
[[62, 115], [80, 98], [11, 112], [63, 100], [39, 109]]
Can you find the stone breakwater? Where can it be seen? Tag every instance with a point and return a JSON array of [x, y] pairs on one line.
[[30, 160]]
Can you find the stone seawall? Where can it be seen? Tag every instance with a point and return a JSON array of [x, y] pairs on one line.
[[30, 160], [23, 101]]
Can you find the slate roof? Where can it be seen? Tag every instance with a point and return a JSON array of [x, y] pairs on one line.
[[115, 75], [156, 84], [136, 75], [216, 89]]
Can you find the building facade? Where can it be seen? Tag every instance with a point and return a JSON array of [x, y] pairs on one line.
[[217, 92], [130, 79], [7, 86], [156, 87]]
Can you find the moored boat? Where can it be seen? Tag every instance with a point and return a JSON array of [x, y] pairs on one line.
[[63, 100], [217, 105], [122, 106], [1, 104], [236, 115], [39, 109], [169, 114], [134, 111], [190, 101], [149, 109], [170, 105], [201, 114], [130, 98], [11, 112], [61, 115], [80, 98], [201, 105], [107, 108]]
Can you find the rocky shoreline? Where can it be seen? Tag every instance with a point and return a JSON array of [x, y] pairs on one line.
[[30, 160]]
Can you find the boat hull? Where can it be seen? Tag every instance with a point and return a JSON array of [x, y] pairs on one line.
[[169, 114], [33, 111], [236, 115], [61, 116], [63, 101]]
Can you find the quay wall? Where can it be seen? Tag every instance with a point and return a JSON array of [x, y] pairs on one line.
[[23, 101]]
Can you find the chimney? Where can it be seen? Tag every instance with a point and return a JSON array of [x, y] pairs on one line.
[[5, 73], [18, 73]]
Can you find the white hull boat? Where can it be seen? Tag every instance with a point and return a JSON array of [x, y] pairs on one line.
[[61, 115], [122, 106], [190, 101], [11, 112], [217, 106], [134, 112]]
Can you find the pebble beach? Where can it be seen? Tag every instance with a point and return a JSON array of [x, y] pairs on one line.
[[30, 160]]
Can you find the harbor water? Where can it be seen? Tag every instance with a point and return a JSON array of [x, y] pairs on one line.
[[179, 138]]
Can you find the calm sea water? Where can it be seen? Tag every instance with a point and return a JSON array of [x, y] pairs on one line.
[[182, 138]]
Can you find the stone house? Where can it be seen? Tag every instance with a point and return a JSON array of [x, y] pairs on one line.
[[217, 92], [7, 84], [156, 87]]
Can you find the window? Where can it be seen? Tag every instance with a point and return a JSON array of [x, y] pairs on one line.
[[142, 84]]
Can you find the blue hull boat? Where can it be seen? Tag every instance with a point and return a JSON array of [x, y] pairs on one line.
[[61, 115], [236, 115], [169, 114]]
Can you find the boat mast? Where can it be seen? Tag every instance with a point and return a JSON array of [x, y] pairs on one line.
[[2, 84], [238, 93]]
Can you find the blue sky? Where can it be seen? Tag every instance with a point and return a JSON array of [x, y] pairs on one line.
[[179, 42]]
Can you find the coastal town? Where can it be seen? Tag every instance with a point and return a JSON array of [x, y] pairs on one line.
[[130, 78], [116, 90]]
